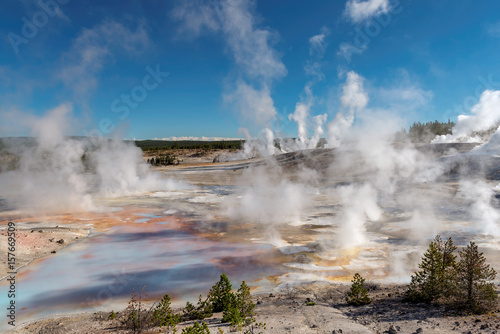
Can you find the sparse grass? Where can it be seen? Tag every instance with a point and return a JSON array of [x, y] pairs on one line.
[[112, 315]]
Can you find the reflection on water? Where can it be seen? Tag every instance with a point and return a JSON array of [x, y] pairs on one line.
[[102, 270]]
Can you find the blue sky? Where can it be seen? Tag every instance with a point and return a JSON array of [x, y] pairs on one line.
[[239, 63]]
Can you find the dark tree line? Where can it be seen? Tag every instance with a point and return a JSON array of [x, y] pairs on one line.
[[165, 160], [425, 132], [160, 145]]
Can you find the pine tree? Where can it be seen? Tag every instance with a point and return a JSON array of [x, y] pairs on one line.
[[245, 304], [239, 311], [231, 312], [220, 293], [163, 315], [474, 289], [448, 265], [434, 280], [358, 295]]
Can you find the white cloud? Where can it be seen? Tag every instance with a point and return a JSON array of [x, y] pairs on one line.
[[318, 44], [256, 106], [250, 46], [364, 10], [346, 50], [317, 48], [60, 14], [494, 29], [314, 69], [196, 16], [93, 48], [404, 95], [411, 95], [197, 138]]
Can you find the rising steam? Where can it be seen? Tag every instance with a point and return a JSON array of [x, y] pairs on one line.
[[61, 174]]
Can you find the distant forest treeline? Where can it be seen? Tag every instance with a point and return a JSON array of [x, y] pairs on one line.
[[425, 132], [418, 133], [160, 145]]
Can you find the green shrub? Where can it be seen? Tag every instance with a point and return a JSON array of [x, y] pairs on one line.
[[244, 299], [163, 315], [310, 303], [112, 315], [466, 284], [219, 295], [474, 290], [197, 328], [232, 313], [358, 295], [199, 312], [239, 311], [434, 281]]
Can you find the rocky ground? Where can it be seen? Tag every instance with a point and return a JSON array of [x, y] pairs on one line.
[[194, 156], [36, 241], [292, 311]]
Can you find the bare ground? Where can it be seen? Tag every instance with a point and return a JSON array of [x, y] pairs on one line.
[[192, 156], [35, 242]]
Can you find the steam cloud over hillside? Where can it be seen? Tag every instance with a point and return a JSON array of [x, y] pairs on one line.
[[62, 174]]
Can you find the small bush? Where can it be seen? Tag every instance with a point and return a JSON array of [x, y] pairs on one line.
[[163, 315], [290, 292], [358, 295], [112, 315], [310, 303], [199, 312], [197, 328], [136, 317]]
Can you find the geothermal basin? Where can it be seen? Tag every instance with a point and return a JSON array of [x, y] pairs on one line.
[[270, 223]]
